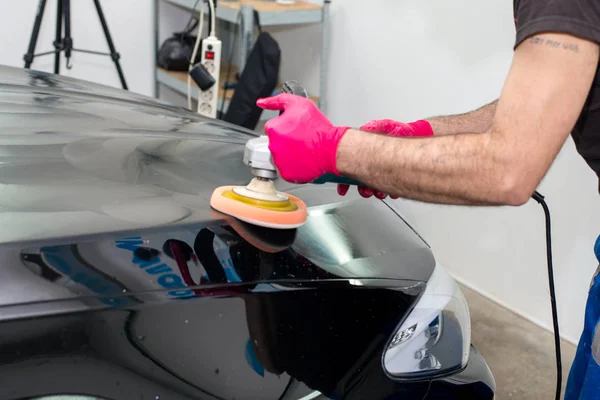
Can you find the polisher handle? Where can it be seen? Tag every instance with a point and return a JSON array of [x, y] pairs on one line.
[[293, 87], [332, 178]]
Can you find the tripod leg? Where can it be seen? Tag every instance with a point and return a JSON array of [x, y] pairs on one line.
[[68, 41], [34, 34], [113, 52], [58, 37]]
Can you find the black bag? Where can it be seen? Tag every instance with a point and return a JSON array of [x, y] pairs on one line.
[[175, 52], [258, 80]]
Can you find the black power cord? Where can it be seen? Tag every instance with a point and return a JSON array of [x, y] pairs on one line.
[[192, 15], [540, 199]]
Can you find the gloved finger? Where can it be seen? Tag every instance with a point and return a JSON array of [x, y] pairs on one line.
[[270, 129], [279, 102], [389, 127], [380, 195], [342, 189], [370, 127], [365, 192], [375, 126], [274, 128]]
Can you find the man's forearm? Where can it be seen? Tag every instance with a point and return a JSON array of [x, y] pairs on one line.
[[477, 121], [463, 169]]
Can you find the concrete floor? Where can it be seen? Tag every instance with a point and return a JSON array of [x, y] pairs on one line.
[[519, 353]]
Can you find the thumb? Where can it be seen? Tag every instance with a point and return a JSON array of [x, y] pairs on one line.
[[371, 126], [279, 102]]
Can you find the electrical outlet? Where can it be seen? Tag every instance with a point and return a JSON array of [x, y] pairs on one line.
[[207, 96], [211, 59]]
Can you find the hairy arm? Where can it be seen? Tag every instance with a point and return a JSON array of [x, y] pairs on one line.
[[545, 91], [478, 121]]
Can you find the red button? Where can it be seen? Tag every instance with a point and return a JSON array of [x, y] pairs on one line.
[[210, 55]]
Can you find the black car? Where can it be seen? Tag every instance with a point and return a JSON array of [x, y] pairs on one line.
[[118, 281]]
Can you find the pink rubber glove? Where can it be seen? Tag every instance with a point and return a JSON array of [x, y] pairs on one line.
[[395, 128], [392, 128], [302, 141]]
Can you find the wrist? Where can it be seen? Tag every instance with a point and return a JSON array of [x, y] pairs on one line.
[[337, 135], [343, 163]]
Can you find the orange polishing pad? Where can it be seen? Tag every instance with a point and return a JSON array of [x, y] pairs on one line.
[[254, 213]]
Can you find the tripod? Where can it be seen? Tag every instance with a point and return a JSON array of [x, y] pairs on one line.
[[66, 43]]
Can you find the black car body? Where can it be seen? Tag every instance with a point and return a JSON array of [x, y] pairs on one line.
[[118, 281]]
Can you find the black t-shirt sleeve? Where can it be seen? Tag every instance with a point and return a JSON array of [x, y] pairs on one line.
[[577, 17]]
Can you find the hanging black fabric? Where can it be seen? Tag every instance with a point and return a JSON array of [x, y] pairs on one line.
[[175, 52], [258, 80]]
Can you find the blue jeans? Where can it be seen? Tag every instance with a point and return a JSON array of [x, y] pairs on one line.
[[584, 379]]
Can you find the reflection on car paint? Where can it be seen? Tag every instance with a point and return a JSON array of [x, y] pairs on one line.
[[163, 274]]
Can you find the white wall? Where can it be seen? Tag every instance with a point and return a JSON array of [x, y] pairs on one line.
[[131, 24], [409, 59]]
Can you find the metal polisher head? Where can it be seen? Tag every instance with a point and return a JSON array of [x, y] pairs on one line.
[[258, 157]]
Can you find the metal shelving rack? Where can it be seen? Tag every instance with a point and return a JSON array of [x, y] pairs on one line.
[[242, 12]]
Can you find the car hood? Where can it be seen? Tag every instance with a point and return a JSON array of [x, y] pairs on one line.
[[86, 165]]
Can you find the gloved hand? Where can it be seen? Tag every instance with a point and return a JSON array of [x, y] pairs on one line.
[[302, 141], [391, 128]]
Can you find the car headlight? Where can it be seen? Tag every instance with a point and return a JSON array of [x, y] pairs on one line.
[[435, 338]]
